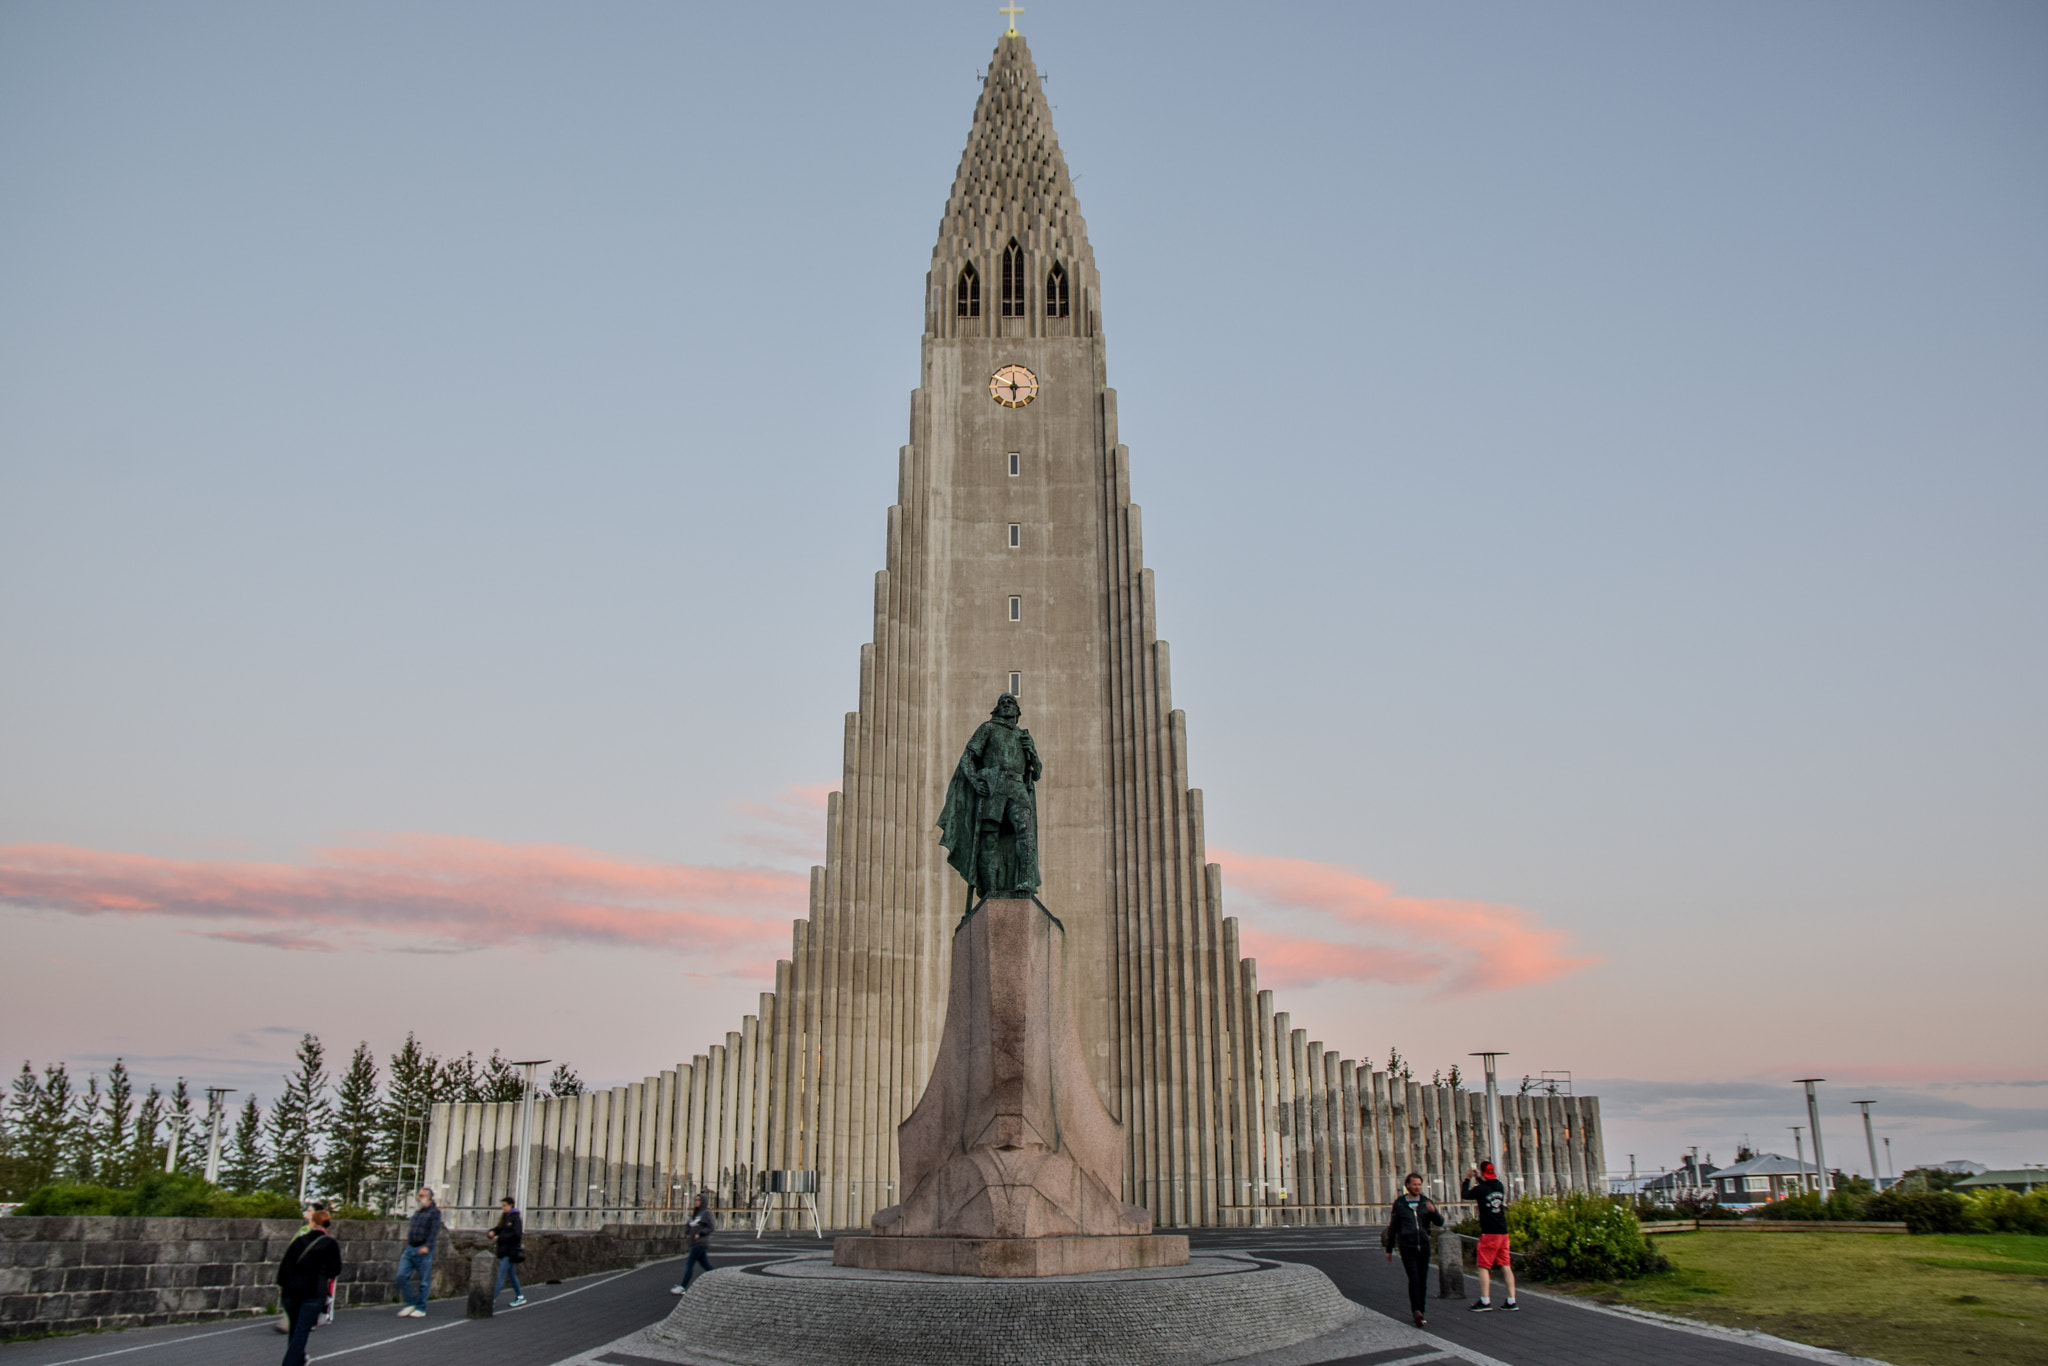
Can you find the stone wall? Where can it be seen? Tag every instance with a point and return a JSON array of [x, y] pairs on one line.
[[74, 1274]]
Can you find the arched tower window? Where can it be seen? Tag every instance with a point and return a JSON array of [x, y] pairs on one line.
[[1056, 292], [1013, 280], [967, 294]]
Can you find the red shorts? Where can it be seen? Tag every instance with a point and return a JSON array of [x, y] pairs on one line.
[[1493, 1249]]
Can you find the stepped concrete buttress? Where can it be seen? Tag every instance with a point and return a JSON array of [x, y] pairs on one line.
[[1012, 1166]]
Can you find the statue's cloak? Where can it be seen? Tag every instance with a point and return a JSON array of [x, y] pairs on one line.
[[962, 818]]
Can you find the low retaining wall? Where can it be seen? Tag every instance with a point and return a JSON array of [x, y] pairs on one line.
[[72, 1274]]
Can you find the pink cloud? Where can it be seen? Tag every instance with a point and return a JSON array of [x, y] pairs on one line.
[[1368, 932], [439, 891], [788, 826]]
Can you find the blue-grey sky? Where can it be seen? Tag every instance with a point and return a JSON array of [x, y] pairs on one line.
[[1594, 457]]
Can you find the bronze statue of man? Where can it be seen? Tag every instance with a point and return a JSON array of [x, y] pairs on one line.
[[990, 822]]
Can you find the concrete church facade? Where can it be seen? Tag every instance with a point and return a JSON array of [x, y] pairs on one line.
[[1014, 563]]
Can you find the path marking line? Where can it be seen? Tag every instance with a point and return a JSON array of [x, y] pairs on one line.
[[1765, 1341], [257, 1321]]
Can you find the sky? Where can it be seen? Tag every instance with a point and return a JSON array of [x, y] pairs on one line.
[[1592, 457]]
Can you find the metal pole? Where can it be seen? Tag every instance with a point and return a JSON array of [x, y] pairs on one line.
[[216, 1098], [1799, 1151], [1889, 1170], [1870, 1141], [171, 1149], [526, 1127], [1494, 1147], [1820, 1159]]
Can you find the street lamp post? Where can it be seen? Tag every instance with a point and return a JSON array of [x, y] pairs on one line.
[[1799, 1149], [1889, 1169], [1820, 1160], [216, 1099], [1870, 1141], [526, 1126], [1494, 1147]]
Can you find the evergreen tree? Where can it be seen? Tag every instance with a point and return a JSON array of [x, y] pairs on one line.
[[246, 1166], [190, 1137], [18, 1108], [111, 1135], [145, 1154], [82, 1133], [412, 1086], [501, 1081], [459, 1080], [352, 1139], [564, 1081], [297, 1119], [46, 1127]]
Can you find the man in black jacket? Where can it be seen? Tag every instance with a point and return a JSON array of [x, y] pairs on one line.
[[703, 1223], [1409, 1220], [311, 1264], [506, 1236]]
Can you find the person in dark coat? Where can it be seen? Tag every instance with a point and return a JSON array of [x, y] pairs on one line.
[[700, 1228], [418, 1257], [309, 1268], [506, 1236], [1409, 1220]]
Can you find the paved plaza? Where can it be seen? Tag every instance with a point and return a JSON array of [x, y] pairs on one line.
[[598, 1320]]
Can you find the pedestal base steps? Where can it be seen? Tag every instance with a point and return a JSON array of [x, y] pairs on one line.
[[808, 1312], [1013, 1256]]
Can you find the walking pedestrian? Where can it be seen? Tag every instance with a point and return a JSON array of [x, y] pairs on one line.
[[700, 1228], [305, 1279], [1409, 1220], [506, 1236], [1484, 1189], [418, 1257]]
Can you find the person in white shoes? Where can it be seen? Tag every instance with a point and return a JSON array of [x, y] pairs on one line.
[[506, 1236], [418, 1257]]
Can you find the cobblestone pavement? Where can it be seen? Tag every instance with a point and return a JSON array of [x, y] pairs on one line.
[[1547, 1331]]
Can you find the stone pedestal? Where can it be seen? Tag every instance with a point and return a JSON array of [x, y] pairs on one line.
[[1011, 1165]]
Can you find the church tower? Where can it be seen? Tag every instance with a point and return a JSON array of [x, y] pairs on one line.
[[1014, 564]]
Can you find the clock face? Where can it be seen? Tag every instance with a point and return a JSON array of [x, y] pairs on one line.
[[1013, 386]]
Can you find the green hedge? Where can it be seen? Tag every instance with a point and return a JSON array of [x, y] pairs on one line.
[[166, 1196], [1924, 1211], [1580, 1237]]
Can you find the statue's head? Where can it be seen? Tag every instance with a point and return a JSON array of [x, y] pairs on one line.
[[1007, 708]]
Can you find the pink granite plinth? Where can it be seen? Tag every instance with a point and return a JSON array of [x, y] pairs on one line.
[[1072, 1256]]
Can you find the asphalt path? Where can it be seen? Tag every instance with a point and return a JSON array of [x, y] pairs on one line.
[[556, 1322], [1548, 1330], [575, 1317]]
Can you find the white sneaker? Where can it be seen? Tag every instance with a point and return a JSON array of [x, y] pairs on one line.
[[417, 1313], [675, 1290], [405, 1312], [519, 1301]]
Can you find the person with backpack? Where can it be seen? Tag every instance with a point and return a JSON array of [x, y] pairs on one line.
[[506, 1236], [1409, 1220], [1483, 1188], [305, 1279], [703, 1223]]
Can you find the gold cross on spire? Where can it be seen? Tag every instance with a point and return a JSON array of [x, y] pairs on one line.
[[1013, 9]]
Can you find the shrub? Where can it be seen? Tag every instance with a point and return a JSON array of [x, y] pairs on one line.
[[1844, 1206], [1581, 1237], [1925, 1211], [2002, 1211], [166, 1195]]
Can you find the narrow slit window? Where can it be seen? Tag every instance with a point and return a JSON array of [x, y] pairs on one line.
[[1016, 609], [1016, 535], [967, 294], [1056, 292], [1016, 463], [1016, 685], [1013, 280]]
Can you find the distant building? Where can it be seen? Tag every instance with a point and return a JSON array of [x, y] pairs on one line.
[[1960, 1168], [2022, 1180], [1689, 1181], [1761, 1179]]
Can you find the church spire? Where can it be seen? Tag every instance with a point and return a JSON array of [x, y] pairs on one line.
[[1012, 187]]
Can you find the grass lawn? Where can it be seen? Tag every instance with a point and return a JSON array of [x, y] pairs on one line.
[[1933, 1300]]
